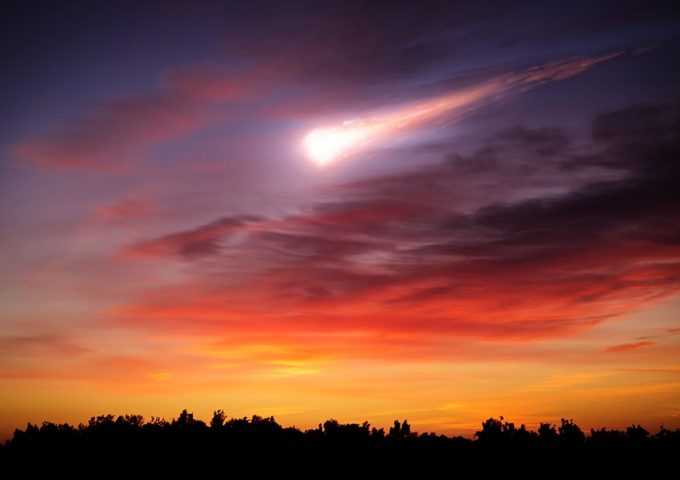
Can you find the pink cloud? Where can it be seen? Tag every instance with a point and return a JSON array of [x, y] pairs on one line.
[[128, 208], [209, 80], [117, 133]]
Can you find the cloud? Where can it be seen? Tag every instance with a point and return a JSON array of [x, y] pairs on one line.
[[117, 133], [418, 254], [112, 138], [668, 332], [37, 344], [360, 46], [545, 140], [209, 80], [556, 70], [128, 208], [643, 50], [201, 241], [341, 42], [627, 347]]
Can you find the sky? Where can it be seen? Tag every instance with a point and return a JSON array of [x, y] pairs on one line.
[[438, 211]]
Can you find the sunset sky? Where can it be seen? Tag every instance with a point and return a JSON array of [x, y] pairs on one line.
[[486, 223]]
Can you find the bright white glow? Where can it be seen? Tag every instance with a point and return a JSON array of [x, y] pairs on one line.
[[326, 144]]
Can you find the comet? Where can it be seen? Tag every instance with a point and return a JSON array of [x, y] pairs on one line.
[[328, 144]]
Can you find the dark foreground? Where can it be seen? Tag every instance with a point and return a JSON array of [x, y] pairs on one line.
[[259, 446]]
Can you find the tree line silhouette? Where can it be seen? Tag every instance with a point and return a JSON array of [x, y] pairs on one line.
[[258, 438]]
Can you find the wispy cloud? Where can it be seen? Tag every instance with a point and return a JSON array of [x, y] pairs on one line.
[[116, 134], [627, 347], [128, 208]]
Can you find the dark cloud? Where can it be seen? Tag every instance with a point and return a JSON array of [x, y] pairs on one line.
[[546, 140], [353, 41], [639, 123], [358, 40]]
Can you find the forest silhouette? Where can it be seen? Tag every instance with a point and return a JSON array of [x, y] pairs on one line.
[[263, 445]]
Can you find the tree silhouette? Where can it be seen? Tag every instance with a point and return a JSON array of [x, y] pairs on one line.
[[570, 433], [547, 434], [187, 442], [218, 419]]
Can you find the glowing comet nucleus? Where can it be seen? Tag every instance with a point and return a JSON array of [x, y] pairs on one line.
[[326, 144]]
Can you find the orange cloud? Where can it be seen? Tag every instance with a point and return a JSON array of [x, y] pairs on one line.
[[627, 347]]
